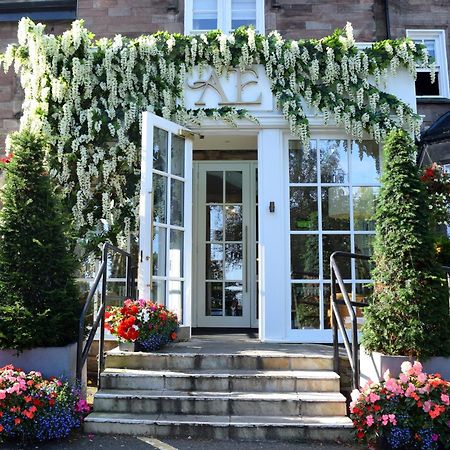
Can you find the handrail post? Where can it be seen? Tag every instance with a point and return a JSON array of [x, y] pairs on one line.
[[101, 346], [334, 322]]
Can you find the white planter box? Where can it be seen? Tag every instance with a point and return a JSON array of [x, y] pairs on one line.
[[373, 365], [60, 362]]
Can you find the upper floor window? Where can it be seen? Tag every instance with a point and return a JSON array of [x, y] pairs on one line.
[[434, 40], [226, 15], [12, 11]]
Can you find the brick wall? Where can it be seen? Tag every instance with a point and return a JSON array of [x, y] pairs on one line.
[[294, 19]]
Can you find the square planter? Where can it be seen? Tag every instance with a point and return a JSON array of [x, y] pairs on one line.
[[374, 364], [60, 362]]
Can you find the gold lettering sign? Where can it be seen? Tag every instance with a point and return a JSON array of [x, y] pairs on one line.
[[213, 82]]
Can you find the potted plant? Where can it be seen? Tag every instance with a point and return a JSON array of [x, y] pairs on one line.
[[39, 302], [146, 324], [33, 408], [411, 412], [409, 312]]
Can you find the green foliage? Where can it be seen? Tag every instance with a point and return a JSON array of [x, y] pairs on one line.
[[409, 314], [38, 296]]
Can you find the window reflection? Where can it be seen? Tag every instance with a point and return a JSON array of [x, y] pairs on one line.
[[305, 306], [333, 161], [365, 162]]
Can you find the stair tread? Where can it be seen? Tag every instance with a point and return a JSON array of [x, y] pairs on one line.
[[221, 373], [204, 395], [256, 353], [221, 421]]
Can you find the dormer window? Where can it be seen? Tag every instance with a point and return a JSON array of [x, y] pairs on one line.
[[226, 15]]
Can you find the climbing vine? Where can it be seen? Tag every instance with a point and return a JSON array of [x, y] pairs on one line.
[[88, 95]]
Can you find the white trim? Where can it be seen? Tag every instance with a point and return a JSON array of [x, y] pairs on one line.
[[223, 17], [441, 57]]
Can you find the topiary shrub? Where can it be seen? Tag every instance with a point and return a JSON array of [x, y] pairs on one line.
[[409, 314], [39, 304]]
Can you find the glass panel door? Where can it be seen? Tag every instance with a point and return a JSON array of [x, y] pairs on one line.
[[164, 270], [226, 233]]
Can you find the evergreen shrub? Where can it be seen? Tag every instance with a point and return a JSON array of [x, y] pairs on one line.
[[409, 313], [39, 304]]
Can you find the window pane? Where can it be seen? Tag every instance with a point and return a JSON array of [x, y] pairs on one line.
[[233, 261], [424, 86], [177, 156], [159, 198], [333, 161], [304, 256], [177, 203], [430, 44], [364, 208], [333, 243], [303, 202], [302, 163], [214, 223], [205, 14], [160, 140], [159, 291], [214, 187], [176, 298], [364, 246], [305, 306], [176, 253], [365, 162], [335, 208], [159, 251], [233, 299], [343, 311], [243, 12], [214, 261], [214, 301], [233, 187], [233, 223]]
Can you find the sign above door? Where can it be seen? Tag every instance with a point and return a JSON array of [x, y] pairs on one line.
[[241, 88]]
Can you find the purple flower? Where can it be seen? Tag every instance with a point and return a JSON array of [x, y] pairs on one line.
[[434, 437]]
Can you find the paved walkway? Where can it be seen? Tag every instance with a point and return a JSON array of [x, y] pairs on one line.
[[107, 442]]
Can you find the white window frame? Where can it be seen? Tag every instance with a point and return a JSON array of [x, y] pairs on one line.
[[223, 17], [441, 58]]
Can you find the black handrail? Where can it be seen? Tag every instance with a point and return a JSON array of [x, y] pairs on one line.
[[102, 275], [353, 351]]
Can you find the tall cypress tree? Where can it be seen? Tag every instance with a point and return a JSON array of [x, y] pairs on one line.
[[409, 314], [38, 296]]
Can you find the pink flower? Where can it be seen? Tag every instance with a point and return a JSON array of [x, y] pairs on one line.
[[421, 377], [392, 419], [369, 420], [385, 419], [434, 437], [403, 378], [427, 405], [417, 367], [2, 394], [372, 397], [445, 399], [411, 388]]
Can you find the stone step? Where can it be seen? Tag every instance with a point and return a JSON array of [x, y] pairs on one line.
[[221, 403], [294, 429], [249, 360], [216, 380]]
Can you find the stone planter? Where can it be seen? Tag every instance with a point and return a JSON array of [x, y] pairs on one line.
[[126, 346], [60, 362], [373, 365]]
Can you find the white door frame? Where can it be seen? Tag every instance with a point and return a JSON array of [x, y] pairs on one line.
[[249, 270]]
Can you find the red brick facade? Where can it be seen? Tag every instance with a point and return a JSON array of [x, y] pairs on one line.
[[293, 18]]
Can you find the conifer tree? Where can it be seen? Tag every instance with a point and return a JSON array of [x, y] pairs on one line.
[[409, 314], [38, 296]]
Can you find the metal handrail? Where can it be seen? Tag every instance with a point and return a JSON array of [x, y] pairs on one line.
[[99, 320], [351, 348]]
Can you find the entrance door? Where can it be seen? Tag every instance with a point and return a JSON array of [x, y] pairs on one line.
[[165, 215], [226, 238]]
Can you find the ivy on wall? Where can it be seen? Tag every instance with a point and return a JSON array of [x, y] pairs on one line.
[[88, 96]]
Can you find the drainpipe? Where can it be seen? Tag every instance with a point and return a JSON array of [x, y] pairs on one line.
[[387, 19]]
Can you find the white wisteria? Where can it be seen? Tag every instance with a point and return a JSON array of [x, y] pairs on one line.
[[87, 95]]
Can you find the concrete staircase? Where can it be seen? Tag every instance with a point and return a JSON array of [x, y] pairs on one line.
[[263, 393]]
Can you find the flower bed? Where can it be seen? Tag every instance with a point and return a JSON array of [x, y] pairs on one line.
[[411, 412], [34, 408], [148, 324]]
